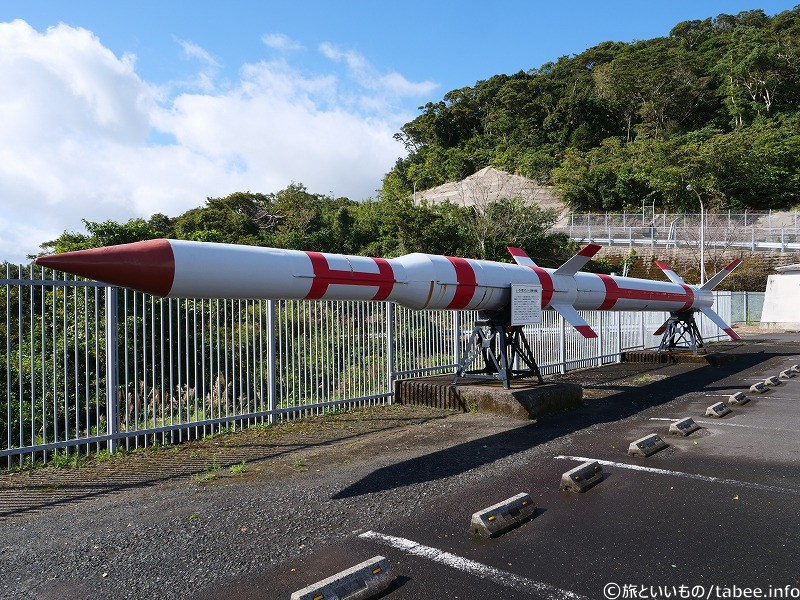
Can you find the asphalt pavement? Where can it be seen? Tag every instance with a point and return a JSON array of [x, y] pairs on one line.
[[714, 515]]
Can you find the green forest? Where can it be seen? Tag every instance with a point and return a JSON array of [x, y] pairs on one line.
[[715, 104]]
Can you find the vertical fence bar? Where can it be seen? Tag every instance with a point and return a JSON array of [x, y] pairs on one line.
[[562, 345], [456, 336], [600, 338], [272, 391], [112, 356], [643, 324], [8, 365], [390, 350]]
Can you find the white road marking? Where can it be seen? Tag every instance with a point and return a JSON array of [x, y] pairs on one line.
[[655, 471], [724, 424], [472, 567]]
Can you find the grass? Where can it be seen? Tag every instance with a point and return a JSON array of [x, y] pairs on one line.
[[211, 471], [647, 378], [61, 459], [103, 456], [298, 464], [238, 469]]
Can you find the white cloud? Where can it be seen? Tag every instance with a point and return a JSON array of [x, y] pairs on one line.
[[281, 42], [192, 50], [77, 120], [392, 83], [210, 66]]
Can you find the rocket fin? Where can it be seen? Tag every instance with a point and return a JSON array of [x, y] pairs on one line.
[[574, 264], [661, 329], [521, 257], [717, 279], [672, 275], [717, 320], [573, 318]]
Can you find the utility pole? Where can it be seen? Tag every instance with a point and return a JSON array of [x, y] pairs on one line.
[[702, 235]]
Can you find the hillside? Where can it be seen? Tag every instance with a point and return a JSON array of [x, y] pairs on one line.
[[715, 104]]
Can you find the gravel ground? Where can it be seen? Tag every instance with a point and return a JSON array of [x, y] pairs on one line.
[[151, 525], [173, 522]]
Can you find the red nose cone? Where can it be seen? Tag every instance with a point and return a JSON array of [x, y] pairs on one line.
[[144, 266]]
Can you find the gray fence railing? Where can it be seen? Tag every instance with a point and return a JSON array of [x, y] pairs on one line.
[[751, 231], [88, 367]]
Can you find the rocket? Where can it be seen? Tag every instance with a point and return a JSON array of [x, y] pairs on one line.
[[186, 269]]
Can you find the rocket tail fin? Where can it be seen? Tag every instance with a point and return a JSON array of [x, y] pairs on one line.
[[573, 318], [574, 264], [661, 329], [672, 275], [521, 257], [718, 321], [717, 279]]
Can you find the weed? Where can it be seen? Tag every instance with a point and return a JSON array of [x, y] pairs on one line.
[[238, 469], [103, 456], [213, 466], [26, 464], [211, 472], [61, 459], [298, 464], [194, 516], [205, 477]]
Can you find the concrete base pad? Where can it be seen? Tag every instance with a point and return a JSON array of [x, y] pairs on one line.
[[525, 399], [676, 356]]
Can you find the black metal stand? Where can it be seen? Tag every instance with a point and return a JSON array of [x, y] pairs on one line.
[[501, 346], [681, 333]]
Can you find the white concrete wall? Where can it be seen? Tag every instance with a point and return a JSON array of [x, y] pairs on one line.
[[782, 302]]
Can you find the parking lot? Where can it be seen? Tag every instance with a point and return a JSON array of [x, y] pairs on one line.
[[716, 508]]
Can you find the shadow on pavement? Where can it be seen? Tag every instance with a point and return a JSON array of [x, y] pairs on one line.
[[683, 379]]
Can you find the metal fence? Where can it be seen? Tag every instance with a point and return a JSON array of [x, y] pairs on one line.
[[87, 367], [746, 307], [765, 231]]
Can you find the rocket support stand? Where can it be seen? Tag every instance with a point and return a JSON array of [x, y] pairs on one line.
[[501, 346], [682, 333]]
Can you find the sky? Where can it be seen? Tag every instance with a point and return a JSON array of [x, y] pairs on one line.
[[118, 110]]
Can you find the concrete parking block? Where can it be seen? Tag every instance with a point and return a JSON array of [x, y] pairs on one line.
[[647, 446], [503, 516]]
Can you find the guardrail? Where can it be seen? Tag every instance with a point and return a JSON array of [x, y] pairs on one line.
[[88, 367], [755, 232]]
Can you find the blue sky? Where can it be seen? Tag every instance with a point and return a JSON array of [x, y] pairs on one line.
[[119, 110], [453, 43]]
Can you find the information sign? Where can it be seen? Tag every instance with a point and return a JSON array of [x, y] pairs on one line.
[[526, 304]]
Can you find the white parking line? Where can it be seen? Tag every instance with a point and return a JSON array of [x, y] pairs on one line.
[[653, 470], [724, 424], [472, 567]]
